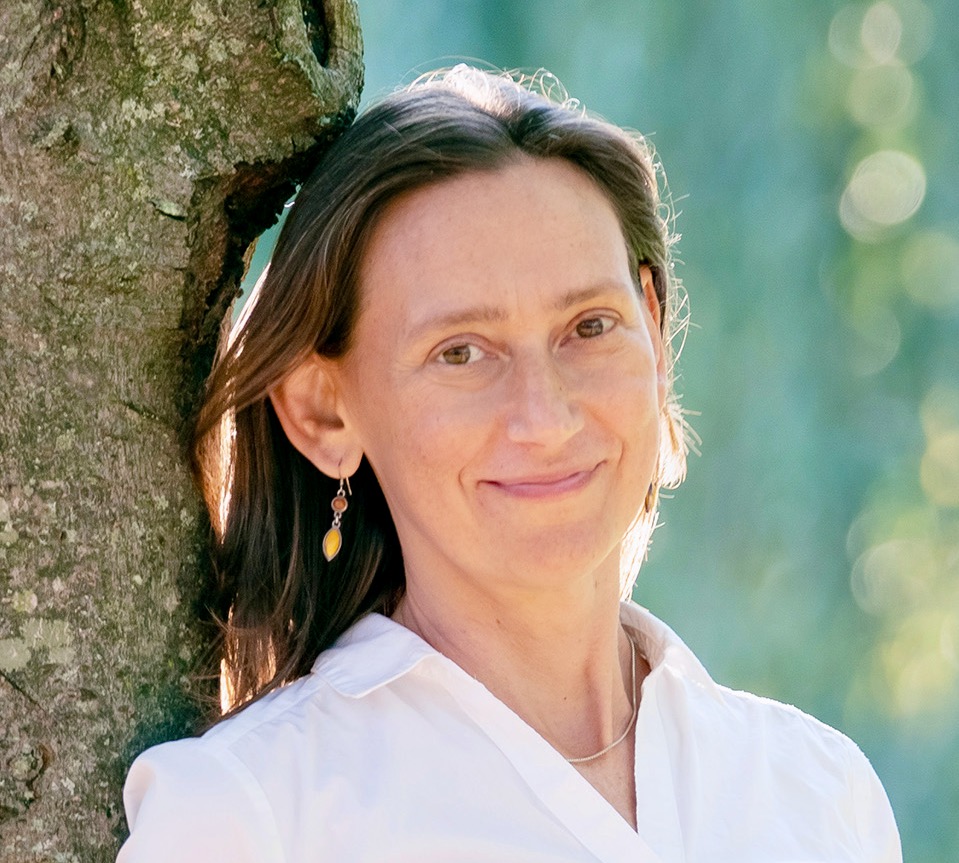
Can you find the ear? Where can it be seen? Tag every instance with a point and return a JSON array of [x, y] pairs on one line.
[[307, 406], [651, 301]]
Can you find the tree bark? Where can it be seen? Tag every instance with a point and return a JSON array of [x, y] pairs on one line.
[[143, 145]]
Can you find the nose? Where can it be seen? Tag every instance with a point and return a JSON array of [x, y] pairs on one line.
[[543, 410]]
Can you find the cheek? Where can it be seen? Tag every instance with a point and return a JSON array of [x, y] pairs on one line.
[[628, 399], [627, 384], [417, 439]]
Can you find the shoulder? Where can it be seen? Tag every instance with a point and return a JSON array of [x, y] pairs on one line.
[[809, 773], [189, 800], [225, 795], [247, 778]]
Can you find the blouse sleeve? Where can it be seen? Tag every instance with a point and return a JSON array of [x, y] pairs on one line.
[[190, 802], [875, 822]]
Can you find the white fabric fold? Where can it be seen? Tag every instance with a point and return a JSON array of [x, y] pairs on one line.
[[388, 751]]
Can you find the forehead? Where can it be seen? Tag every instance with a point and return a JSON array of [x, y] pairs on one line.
[[528, 216]]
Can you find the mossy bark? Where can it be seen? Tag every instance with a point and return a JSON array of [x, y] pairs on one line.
[[143, 145]]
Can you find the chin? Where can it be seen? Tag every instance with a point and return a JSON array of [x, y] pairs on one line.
[[552, 560]]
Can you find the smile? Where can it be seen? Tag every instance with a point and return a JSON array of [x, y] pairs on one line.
[[545, 485]]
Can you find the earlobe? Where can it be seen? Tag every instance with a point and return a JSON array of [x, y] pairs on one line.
[[307, 407]]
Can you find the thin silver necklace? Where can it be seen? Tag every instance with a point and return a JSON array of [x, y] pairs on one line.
[[632, 719]]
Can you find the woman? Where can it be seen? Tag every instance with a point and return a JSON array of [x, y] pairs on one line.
[[431, 454]]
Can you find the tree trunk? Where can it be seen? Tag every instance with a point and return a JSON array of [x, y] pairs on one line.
[[143, 146]]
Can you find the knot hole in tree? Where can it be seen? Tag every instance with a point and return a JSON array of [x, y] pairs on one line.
[[228, 215], [316, 24]]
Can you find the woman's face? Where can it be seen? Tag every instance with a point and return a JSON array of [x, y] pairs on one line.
[[505, 377]]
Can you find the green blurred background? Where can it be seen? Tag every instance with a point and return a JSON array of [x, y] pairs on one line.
[[812, 151]]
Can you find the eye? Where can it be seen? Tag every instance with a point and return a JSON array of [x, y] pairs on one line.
[[461, 355], [589, 328]]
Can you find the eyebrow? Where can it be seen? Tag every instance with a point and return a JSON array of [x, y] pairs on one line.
[[493, 314], [457, 318], [583, 295]]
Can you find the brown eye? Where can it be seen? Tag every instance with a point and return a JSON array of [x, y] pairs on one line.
[[459, 355], [591, 327]]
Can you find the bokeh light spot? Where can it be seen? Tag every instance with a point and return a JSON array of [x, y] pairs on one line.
[[881, 96], [881, 31], [921, 677], [939, 469], [844, 36], [930, 269], [891, 575], [887, 187], [939, 410], [863, 35]]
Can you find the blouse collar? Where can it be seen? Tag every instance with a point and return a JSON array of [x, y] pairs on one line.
[[377, 650]]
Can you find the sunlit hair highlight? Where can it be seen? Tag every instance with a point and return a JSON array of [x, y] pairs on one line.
[[278, 601]]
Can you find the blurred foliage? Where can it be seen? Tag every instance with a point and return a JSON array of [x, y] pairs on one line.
[[812, 151]]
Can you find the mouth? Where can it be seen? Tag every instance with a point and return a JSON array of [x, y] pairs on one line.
[[553, 484]]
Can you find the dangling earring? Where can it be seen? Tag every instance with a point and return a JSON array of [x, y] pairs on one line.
[[649, 504], [333, 540]]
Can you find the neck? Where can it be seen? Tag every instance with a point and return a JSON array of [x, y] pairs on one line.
[[557, 658]]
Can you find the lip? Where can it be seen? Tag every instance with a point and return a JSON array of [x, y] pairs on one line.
[[553, 484]]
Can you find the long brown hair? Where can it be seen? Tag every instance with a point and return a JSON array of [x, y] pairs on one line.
[[279, 601]]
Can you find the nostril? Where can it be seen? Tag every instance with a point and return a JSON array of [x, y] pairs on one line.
[[314, 20]]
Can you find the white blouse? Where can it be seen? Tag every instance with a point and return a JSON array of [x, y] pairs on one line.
[[388, 751]]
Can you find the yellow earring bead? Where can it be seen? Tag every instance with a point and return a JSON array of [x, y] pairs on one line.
[[332, 543]]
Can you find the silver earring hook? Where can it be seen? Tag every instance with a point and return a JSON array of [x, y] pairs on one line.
[[343, 479]]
